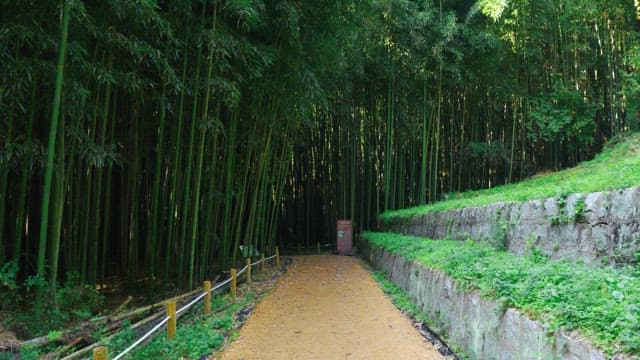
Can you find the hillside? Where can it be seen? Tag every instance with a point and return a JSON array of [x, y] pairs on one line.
[[617, 167]]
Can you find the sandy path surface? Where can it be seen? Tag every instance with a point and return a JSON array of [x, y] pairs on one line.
[[327, 307]]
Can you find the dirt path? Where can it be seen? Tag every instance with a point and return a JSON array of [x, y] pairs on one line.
[[327, 307]]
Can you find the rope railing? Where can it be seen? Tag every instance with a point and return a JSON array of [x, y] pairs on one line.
[[100, 353], [221, 284], [143, 338], [261, 260], [242, 271], [256, 263], [190, 304]]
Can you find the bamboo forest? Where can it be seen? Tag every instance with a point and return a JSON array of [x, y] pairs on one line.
[[150, 139]]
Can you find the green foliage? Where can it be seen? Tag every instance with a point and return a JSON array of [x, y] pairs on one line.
[[494, 154], [27, 352], [632, 88], [563, 216], [602, 303], [197, 334], [560, 220], [34, 282], [579, 209], [499, 237], [74, 301], [561, 114], [79, 299], [615, 168], [191, 341], [8, 275], [490, 8], [223, 323], [123, 339], [54, 335], [30, 353]]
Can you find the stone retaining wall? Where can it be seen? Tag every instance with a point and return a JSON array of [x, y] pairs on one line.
[[481, 328], [602, 226]]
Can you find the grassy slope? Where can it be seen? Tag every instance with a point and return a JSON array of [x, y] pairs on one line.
[[615, 168], [603, 303]]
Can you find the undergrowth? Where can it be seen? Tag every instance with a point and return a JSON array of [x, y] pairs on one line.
[[602, 303], [196, 335], [615, 168], [74, 302]]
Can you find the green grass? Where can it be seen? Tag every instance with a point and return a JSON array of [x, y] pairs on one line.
[[616, 167], [602, 303], [197, 334]]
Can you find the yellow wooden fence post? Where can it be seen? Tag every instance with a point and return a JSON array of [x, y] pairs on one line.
[[233, 283], [277, 258], [249, 270], [207, 297], [171, 325], [100, 353]]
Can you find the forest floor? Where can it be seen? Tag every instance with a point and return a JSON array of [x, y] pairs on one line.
[[327, 307]]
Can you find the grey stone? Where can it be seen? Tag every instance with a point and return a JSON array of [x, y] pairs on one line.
[[597, 207], [608, 230], [479, 326]]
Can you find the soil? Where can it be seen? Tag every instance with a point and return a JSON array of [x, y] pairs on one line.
[[327, 307]]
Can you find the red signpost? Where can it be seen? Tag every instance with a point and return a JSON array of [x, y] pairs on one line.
[[344, 238]]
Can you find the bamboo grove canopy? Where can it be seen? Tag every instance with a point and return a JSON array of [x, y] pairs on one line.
[[152, 138]]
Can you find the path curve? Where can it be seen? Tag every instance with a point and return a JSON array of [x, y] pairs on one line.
[[327, 307]]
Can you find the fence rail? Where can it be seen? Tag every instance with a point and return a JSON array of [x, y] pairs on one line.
[[101, 352]]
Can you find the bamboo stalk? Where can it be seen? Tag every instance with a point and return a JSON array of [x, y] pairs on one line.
[[55, 115]]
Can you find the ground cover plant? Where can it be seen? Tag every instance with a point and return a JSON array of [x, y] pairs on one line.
[[73, 302], [616, 167], [602, 303], [197, 335]]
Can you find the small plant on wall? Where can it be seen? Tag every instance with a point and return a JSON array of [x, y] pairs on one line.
[[564, 217], [579, 210]]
